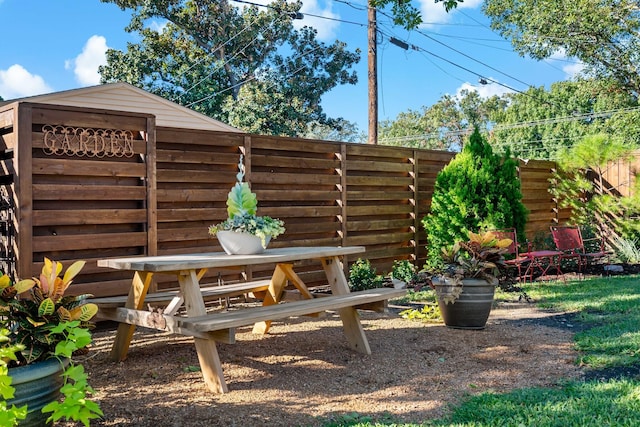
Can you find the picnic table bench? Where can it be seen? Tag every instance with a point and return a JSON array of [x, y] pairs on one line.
[[207, 328]]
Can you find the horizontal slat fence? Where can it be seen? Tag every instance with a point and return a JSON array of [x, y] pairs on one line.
[[75, 201], [162, 199]]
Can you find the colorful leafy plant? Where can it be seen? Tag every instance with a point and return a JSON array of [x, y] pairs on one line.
[[38, 322], [479, 257], [242, 207]]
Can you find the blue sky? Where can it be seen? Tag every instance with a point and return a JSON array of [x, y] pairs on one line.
[[54, 45]]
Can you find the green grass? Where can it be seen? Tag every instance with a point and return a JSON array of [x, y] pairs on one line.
[[607, 314], [610, 310]]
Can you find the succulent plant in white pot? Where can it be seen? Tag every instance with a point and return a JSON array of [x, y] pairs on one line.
[[243, 232]]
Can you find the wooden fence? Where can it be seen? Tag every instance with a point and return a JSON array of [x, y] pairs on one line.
[[90, 184]]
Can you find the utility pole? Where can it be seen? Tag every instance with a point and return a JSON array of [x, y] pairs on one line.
[[373, 75]]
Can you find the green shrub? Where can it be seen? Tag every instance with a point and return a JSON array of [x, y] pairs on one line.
[[476, 190], [403, 270], [363, 276]]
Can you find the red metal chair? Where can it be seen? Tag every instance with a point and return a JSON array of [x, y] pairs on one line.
[[569, 241], [516, 259]]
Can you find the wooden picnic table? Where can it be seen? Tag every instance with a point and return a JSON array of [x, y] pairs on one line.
[[207, 328]]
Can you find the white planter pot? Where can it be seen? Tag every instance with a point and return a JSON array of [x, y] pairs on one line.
[[235, 243]]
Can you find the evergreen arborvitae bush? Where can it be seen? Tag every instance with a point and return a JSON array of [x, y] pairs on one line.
[[477, 190]]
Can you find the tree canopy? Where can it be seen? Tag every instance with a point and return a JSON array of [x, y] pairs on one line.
[[407, 15], [537, 123], [603, 34], [245, 66], [442, 126]]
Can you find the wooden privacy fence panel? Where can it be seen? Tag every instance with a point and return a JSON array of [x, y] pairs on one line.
[[81, 190], [543, 208], [299, 181], [161, 196], [429, 163], [619, 177]]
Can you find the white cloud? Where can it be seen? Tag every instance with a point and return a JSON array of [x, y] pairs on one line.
[[572, 67], [17, 82], [434, 13], [85, 65], [485, 91], [327, 29]]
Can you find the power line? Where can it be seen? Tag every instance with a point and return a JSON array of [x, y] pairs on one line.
[[473, 59]]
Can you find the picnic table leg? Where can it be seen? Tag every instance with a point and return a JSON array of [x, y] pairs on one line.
[[350, 318], [276, 286], [206, 348], [135, 300]]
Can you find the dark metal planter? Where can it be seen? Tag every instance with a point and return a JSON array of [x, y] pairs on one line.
[[36, 385], [471, 310]]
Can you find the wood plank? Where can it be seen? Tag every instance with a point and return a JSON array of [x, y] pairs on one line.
[[172, 263], [185, 195], [6, 119], [380, 181], [87, 117], [230, 290], [353, 195], [64, 192], [23, 164], [151, 181], [234, 319], [51, 166], [306, 163], [135, 299], [299, 179], [379, 210], [378, 151], [379, 239], [265, 142], [89, 216], [161, 322], [197, 155], [88, 241], [195, 176], [379, 166], [184, 234], [191, 214], [307, 195], [210, 364], [374, 225]]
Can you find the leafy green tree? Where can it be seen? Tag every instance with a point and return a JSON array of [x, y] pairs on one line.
[[540, 123], [442, 126], [579, 185], [341, 130], [245, 66], [477, 190], [604, 35], [407, 15]]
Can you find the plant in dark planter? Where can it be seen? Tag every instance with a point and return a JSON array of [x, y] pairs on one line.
[[243, 232], [466, 282], [477, 190], [40, 330]]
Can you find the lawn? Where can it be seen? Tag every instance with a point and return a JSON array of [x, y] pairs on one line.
[[607, 318]]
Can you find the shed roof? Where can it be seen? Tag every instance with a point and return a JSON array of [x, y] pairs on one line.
[[125, 97]]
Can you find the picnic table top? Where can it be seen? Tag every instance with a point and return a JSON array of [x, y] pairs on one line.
[[170, 263]]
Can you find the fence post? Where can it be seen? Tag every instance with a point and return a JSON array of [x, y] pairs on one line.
[[416, 210]]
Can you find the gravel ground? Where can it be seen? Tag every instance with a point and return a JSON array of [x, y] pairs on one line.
[[302, 373]]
